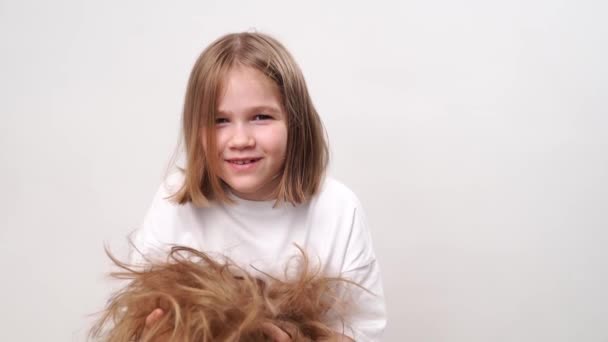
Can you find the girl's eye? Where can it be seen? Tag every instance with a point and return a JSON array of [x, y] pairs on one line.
[[221, 120], [259, 117]]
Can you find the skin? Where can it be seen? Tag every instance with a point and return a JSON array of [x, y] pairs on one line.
[[251, 124]]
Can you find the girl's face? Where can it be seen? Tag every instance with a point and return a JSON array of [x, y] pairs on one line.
[[251, 131]]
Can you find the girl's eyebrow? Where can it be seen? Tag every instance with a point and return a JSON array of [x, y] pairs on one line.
[[266, 109], [256, 109]]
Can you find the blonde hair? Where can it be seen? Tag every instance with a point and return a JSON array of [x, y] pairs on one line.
[[207, 300], [306, 153]]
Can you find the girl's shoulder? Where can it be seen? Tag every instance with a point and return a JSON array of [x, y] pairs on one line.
[[335, 195], [173, 181]]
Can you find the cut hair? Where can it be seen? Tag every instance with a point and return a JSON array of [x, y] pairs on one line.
[[204, 299], [307, 154]]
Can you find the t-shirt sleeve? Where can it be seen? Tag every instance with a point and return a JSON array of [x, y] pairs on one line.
[[368, 318], [149, 241]]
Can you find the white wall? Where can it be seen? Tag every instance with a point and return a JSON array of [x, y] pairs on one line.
[[474, 133]]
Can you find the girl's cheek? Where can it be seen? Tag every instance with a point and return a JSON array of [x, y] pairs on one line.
[[220, 139]]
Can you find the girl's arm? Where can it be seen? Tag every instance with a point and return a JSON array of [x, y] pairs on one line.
[[361, 266]]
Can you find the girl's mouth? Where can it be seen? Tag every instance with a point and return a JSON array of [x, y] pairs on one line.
[[243, 165], [243, 161]]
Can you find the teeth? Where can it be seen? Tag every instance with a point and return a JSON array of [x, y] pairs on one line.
[[241, 162]]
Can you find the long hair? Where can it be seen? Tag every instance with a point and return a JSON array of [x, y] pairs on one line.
[[209, 300], [307, 153]]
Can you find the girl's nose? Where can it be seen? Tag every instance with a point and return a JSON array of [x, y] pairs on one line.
[[241, 138]]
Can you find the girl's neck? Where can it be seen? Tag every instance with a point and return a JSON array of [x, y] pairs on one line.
[[268, 192], [256, 197]]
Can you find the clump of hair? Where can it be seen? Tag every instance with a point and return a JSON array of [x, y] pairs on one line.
[[204, 299]]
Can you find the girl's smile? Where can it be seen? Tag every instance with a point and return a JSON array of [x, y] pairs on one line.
[[243, 164]]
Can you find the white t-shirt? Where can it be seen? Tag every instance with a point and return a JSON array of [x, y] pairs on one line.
[[331, 228]]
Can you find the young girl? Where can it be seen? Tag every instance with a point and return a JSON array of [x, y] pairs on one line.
[[254, 183]]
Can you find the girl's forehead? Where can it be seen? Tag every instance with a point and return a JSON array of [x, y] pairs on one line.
[[245, 89], [248, 75]]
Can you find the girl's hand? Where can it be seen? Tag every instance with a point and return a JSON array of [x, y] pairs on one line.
[[279, 335], [152, 318], [337, 337], [275, 333]]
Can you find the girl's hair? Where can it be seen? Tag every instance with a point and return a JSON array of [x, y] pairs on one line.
[[206, 300], [307, 152]]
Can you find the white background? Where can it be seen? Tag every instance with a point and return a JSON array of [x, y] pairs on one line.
[[474, 133]]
